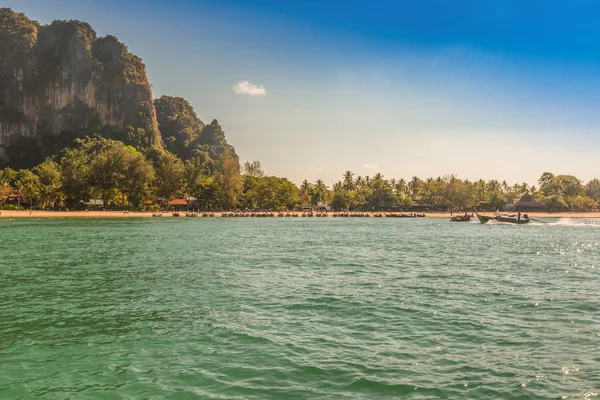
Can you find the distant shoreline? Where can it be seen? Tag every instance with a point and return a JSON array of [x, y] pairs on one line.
[[144, 214]]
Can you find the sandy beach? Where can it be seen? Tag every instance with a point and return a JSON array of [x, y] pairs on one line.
[[144, 214]]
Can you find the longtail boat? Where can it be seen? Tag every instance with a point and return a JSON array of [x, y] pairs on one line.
[[461, 218], [510, 219]]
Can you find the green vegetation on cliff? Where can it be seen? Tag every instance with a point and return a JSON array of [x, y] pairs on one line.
[[178, 124], [74, 85]]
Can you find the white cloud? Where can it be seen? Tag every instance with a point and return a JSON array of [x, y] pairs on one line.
[[245, 87], [369, 166]]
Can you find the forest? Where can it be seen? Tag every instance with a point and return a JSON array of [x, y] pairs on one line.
[[125, 178]]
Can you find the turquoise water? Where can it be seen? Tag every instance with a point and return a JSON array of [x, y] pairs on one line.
[[298, 309]]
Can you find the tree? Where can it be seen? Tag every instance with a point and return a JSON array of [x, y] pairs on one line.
[[7, 179], [137, 177], [207, 193], [545, 178], [583, 203], [305, 191], [49, 177], [348, 181], [253, 169], [168, 178], [592, 189], [27, 184], [415, 186], [555, 202], [74, 166], [382, 196], [229, 182], [196, 170], [318, 192], [107, 168]]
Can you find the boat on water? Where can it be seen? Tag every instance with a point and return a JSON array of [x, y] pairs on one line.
[[505, 218], [461, 218]]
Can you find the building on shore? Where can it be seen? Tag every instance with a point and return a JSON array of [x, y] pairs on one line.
[[528, 203], [178, 204]]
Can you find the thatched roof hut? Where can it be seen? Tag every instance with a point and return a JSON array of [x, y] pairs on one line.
[[528, 203]]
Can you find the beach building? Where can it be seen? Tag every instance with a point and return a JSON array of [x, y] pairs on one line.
[[16, 199], [178, 204], [528, 203], [323, 207], [94, 203]]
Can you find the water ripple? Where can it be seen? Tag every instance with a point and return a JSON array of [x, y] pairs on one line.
[[298, 308]]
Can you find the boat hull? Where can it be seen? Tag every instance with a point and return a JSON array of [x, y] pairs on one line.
[[512, 220], [460, 219], [483, 219]]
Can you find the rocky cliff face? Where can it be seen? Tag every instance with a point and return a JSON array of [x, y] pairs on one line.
[[60, 79]]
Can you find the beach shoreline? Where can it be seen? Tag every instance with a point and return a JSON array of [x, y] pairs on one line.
[[147, 214]]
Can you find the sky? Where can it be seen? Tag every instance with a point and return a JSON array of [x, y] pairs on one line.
[[481, 89]]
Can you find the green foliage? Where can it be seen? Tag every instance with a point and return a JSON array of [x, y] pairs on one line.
[[12, 207], [49, 178], [206, 193], [118, 62], [212, 139], [562, 191], [253, 168], [269, 192], [228, 179], [583, 203], [27, 183], [74, 166], [29, 151], [555, 202], [18, 34], [104, 167], [319, 192], [592, 189], [169, 175], [137, 176], [178, 124]]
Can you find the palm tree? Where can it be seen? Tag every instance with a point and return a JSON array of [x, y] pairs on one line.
[[360, 182], [401, 186], [319, 191], [545, 178], [414, 185], [349, 180], [504, 186], [305, 191]]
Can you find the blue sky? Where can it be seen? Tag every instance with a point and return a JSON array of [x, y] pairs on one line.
[[491, 89]]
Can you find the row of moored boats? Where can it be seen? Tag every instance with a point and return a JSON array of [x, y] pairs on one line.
[[293, 215]]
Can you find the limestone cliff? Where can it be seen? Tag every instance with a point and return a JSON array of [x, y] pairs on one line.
[[60, 81]]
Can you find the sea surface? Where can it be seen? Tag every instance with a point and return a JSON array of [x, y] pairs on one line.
[[298, 308]]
